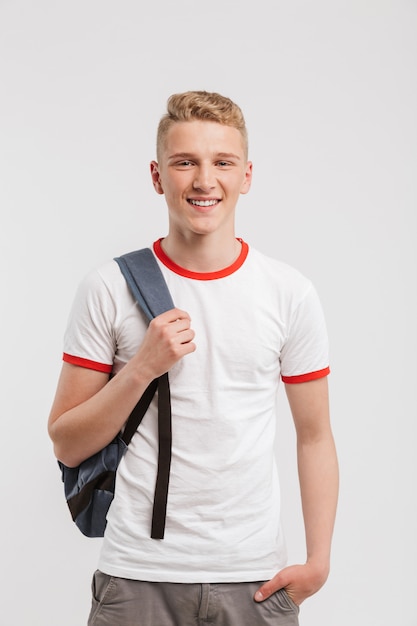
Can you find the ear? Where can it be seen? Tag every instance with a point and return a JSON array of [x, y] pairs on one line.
[[248, 178], [156, 179]]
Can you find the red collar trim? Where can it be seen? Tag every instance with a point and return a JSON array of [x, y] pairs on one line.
[[182, 271]]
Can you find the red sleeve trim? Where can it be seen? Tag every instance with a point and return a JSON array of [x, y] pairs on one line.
[[304, 378], [91, 365]]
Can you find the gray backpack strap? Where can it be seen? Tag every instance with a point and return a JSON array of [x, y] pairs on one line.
[[149, 288], [146, 282]]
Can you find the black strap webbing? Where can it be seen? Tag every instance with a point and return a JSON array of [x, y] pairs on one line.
[[164, 458], [139, 411]]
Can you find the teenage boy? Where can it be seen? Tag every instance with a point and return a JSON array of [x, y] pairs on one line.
[[243, 322]]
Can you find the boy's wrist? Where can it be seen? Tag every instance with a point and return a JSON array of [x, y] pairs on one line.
[[320, 568]]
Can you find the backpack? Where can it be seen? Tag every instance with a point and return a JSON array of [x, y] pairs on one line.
[[89, 488]]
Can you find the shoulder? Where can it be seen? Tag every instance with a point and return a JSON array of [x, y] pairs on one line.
[[104, 283], [278, 275], [275, 265]]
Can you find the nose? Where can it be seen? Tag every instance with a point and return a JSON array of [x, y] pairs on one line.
[[204, 179]]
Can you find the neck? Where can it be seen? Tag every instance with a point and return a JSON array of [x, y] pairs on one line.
[[202, 253]]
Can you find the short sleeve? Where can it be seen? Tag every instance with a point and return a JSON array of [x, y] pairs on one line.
[[89, 338], [305, 354]]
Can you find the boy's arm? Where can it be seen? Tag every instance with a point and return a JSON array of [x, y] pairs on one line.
[[318, 475], [89, 409]]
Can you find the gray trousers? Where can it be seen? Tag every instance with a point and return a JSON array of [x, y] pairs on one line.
[[122, 602]]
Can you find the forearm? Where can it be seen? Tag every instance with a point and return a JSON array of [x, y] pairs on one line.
[[319, 480], [81, 430], [318, 472]]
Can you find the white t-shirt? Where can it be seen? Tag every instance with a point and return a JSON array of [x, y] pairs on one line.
[[255, 322]]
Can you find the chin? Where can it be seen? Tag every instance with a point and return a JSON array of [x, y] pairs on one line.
[[206, 228]]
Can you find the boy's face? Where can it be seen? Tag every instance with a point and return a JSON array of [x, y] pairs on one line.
[[202, 170]]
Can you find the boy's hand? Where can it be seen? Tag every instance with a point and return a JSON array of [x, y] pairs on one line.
[[299, 581], [169, 337]]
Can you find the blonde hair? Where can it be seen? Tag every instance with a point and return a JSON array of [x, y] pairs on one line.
[[201, 105]]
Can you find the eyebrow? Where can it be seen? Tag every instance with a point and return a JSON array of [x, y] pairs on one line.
[[191, 156]]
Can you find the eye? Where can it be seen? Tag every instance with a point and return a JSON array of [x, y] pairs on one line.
[[223, 163], [184, 164]]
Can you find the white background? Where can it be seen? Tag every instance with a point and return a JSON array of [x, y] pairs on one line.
[[329, 91]]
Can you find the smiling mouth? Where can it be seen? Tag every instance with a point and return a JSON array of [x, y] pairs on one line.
[[203, 203]]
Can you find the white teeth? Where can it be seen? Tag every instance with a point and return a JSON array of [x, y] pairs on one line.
[[204, 202]]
